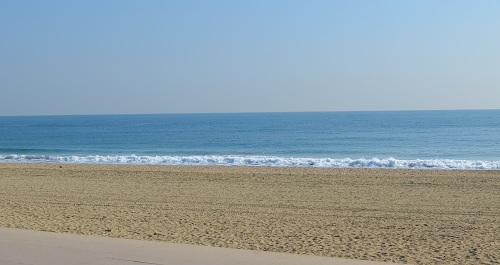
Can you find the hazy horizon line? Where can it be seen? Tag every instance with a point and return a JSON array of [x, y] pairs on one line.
[[243, 112]]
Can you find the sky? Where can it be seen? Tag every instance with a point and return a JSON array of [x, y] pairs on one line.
[[123, 57]]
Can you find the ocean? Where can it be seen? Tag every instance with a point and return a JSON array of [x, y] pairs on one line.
[[461, 139]]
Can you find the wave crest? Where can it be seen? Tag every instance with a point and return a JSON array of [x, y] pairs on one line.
[[229, 160]]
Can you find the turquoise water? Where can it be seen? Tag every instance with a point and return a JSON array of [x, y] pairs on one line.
[[394, 139]]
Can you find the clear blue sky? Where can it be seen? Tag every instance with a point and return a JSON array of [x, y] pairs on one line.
[[107, 57]]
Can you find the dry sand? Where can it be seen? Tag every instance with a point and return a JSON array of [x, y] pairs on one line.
[[405, 216]]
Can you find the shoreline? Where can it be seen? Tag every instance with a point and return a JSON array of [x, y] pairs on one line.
[[257, 161], [401, 215], [55, 165]]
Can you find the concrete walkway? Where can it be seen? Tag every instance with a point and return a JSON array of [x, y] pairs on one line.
[[44, 248]]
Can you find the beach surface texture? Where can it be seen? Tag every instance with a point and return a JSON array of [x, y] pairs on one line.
[[403, 216]]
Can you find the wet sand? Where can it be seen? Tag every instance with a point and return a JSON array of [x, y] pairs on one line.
[[405, 216]]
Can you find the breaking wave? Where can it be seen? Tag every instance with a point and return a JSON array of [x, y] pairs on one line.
[[232, 160]]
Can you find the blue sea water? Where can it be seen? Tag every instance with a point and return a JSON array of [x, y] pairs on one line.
[[392, 139]]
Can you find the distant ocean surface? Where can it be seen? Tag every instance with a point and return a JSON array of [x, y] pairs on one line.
[[392, 139]]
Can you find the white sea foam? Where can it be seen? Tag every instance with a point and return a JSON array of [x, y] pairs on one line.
[[229, 160]]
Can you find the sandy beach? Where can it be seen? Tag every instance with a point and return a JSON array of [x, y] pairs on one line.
[[404, 216]]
